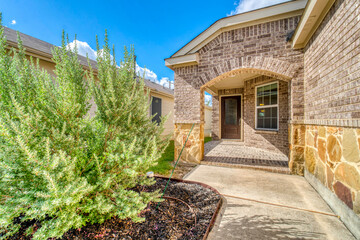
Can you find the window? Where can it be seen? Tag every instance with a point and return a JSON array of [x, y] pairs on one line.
[[156, 109], [267, 107], [231, 114]]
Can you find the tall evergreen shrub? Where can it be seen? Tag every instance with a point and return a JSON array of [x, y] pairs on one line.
[[59, 166]]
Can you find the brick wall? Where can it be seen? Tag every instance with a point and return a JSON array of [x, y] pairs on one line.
[[329, 141], [276, 141], [215, 118], [187, 96], [270, 140], [332, 68], [260, 48]]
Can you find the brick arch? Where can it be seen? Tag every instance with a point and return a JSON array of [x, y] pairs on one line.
[[267, 66]]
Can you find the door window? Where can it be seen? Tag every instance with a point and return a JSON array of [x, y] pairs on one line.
[[231, 108]]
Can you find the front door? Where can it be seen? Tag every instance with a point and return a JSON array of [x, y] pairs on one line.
[[231, 117]]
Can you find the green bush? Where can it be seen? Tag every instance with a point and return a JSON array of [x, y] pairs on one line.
[[60, 167]]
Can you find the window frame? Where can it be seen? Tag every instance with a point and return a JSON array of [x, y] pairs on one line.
[[151, 110], [267, 106]]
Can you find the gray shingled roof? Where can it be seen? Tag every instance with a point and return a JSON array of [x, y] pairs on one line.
[[158, 87], [44, 48]]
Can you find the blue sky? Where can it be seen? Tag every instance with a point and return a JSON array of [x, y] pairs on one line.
[[156, 28]]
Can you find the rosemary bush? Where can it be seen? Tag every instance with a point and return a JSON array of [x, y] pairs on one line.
[[59, 166]]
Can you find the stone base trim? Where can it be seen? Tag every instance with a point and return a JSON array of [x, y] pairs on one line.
[[194, 148], [348, 217]]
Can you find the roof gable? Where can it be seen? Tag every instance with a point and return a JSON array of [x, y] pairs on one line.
[[188, 53]]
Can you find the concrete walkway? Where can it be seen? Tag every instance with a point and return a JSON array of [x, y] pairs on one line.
[[264, 205]]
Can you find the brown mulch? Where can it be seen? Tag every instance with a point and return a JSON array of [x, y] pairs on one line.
[[185, 213]]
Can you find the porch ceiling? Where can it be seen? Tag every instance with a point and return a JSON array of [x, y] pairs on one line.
[[230, 82]]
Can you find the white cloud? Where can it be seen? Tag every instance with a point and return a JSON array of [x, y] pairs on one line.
[[84, 48], [13, 22], [147, 73], [165, 81], [248, 5]]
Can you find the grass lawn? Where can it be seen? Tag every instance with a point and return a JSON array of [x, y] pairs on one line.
[[165, 162], [207, 139]]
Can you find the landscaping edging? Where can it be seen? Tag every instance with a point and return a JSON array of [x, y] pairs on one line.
[[215, 220]]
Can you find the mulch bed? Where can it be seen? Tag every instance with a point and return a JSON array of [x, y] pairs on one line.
[[185, 214]]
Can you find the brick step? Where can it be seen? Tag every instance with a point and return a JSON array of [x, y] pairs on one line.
[[274, 169], [247, 161]]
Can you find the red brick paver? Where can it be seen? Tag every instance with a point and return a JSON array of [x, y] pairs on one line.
[[236, 154]]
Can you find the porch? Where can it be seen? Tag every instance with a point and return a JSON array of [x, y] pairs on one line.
[[237, 154], [250, 122]]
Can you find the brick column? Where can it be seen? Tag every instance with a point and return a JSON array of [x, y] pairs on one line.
[[189, 110], [215, 131]]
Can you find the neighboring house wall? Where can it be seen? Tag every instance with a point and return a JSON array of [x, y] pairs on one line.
[[167, 108], [329, 141], [260, 49], [208, 121]]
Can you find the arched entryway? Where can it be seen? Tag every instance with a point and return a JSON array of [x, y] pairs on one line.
[[252, 107], [251, 110]]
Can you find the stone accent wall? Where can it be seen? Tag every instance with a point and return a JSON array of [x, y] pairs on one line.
[[297, 148], [327, 142], [332, 154], [332, 68], [194, 148]]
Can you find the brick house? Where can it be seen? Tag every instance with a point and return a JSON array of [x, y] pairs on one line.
[[286, 79]]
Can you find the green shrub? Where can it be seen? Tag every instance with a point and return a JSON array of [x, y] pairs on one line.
[[57, 165]]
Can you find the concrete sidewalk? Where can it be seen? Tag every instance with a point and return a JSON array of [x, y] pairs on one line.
[[264, 205]]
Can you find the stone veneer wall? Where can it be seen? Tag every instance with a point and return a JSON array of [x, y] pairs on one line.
[[194, 148], [332, 155], [328, 139]]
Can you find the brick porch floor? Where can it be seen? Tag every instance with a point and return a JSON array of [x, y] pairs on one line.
[[235, 154]]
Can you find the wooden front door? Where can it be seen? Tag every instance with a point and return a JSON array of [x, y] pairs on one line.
[[231, 117]]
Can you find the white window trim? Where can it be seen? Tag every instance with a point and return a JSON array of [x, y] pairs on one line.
[[267, 106]]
